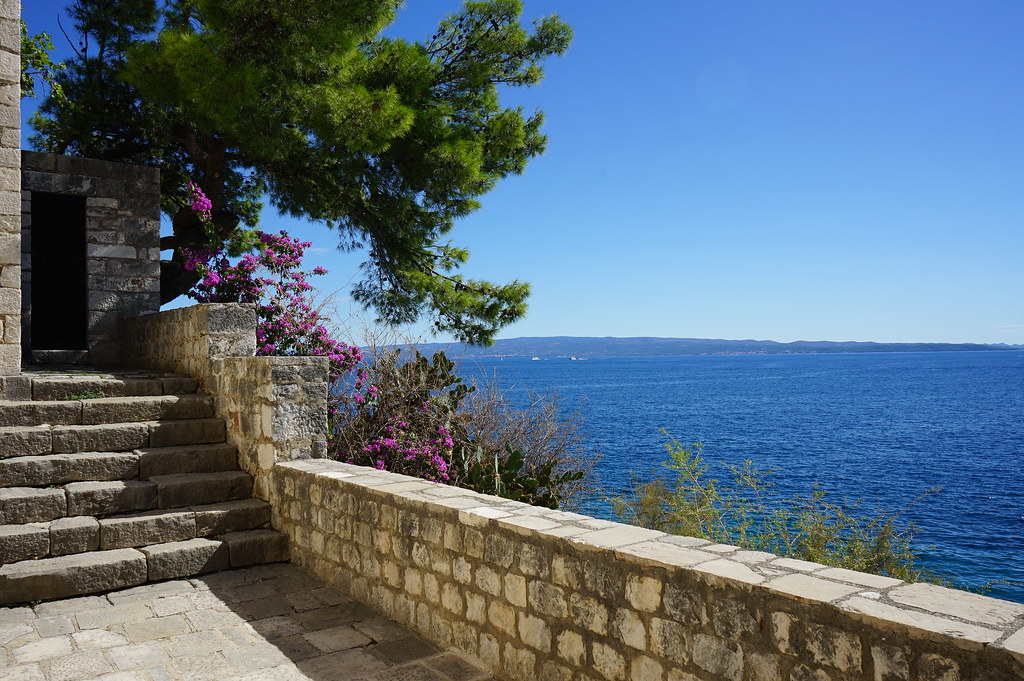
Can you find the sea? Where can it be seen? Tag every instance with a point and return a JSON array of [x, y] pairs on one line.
[[883, 428]]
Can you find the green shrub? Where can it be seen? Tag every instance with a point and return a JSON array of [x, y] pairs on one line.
[[746, 510], [504, 476]]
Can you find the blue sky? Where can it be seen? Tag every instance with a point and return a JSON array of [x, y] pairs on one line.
[[771, 170]]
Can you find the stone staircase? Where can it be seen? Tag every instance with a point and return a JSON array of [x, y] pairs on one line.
[[113, 480]]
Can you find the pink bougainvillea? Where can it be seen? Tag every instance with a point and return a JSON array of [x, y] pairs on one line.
[[272, 279], [403, 451]]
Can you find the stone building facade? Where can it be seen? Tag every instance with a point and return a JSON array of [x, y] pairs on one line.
[[90, 253], [10, 177]]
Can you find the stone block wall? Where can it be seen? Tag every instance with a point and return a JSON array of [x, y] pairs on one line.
[[275, 407], [540, 594], [188, 339], [10, 187], [122, 212]]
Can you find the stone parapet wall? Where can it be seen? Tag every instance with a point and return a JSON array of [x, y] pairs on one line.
[[122, 232], [188, 339], [540, 594], [275, 407], [10, 188]]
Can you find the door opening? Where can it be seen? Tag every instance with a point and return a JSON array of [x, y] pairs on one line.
[[59, 283]]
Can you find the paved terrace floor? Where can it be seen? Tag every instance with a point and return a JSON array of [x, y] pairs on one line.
[[267, 623]]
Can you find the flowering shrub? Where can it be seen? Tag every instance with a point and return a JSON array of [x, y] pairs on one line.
[[200, 205], [403, 451], [273, 280], [400, 416], [410, 414]]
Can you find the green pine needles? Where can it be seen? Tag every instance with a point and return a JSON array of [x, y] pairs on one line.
[[308, 104], [745, 509]]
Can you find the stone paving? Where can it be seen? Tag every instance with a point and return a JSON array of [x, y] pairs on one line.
[[266, 623]]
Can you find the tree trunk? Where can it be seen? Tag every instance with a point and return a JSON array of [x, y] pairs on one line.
[[190, 234]]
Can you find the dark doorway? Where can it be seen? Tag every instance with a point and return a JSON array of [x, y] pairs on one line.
[[59, 285]]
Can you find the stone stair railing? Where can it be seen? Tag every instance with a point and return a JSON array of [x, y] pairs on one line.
[[109, 481]]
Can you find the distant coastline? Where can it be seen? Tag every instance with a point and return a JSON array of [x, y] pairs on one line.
[[550, 347]]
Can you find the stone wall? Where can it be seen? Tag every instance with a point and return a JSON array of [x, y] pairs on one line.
[[10, 182], [275, 407], [122, 212], [540, 594]]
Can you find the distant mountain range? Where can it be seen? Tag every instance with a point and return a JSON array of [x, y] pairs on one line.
[[580, 346]]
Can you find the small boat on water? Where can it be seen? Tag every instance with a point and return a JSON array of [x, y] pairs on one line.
[[535, 358]]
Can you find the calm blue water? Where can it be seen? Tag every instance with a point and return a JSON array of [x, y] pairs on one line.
[[879, 427]]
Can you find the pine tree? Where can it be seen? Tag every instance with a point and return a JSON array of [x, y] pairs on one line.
[[305, 102]]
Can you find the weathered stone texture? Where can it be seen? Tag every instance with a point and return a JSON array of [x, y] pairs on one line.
[[187, 432], [586, 604], [10, 190], [74, 535], [25, 441], [57, 469], [185, 558], [208, 458], [108, 498], [120, 410], [72, 575], [190, 489], [231, 516], [140, 529], [255, 546], [113, 437], [23, 542], [34, 413], [30, 505]]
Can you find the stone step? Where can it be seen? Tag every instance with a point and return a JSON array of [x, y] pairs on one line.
[[191, 489], [105, 410], [186, 432], [77, 386], [25, 441], [210, 458], [101, 499], [100, 571], [76, 575], [65, 536], [132, 409], [21, 505], [27, 413], [18, 441], [58, 469]]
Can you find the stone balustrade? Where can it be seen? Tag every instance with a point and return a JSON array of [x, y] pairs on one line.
[[540, 594], [275, 407]]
